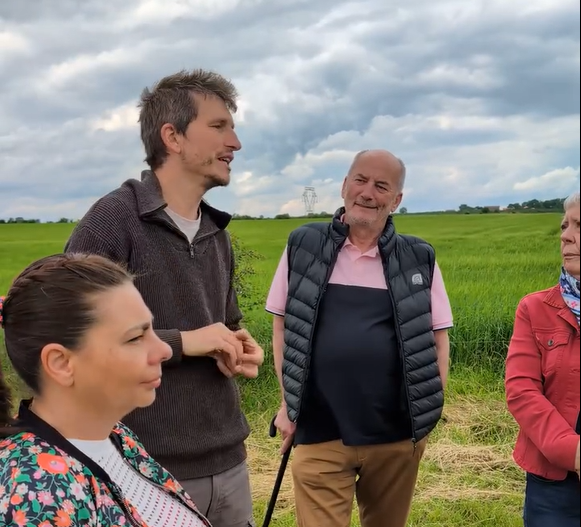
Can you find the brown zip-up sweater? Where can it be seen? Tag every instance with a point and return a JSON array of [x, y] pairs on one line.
[[195, 427]]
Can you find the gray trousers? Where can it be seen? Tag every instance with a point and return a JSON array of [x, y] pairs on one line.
[[225, 499]]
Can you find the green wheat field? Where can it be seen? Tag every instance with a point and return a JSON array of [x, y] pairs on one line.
[[489, 262]]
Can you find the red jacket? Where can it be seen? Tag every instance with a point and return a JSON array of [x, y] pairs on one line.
[[542, 384]]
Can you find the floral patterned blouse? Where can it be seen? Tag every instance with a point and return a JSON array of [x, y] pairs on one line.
[[45, 481]]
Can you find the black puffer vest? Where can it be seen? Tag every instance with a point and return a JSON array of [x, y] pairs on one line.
[[408, 264]]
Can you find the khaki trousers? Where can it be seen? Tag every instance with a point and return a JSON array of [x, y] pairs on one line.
[[328, 476]]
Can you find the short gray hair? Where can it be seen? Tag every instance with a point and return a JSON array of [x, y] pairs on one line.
[[571, 201], [403, 174]]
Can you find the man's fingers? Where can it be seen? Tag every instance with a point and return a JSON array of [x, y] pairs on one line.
[[240, 353], [243, 334], [249, 371], [286, 444], [249, 343], [220, 358], [232, 355], [237, 346], [224, 369], [253, 359]]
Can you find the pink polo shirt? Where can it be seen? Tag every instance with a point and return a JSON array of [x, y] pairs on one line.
[[354, 268]]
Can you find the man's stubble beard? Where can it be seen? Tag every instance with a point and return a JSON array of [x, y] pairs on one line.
[[212, 181], [209, 180], [351, 220]]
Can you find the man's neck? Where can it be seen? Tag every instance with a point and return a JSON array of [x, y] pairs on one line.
[[364, 238], [72, 420], [182, 193]]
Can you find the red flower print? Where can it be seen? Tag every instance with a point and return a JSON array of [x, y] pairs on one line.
[[16, 499], [63, 519], [129, 442], [19, 518], [52, 464], [169, 484]]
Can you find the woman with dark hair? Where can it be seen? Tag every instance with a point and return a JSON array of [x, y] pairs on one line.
[[78, 333], [543, 392]]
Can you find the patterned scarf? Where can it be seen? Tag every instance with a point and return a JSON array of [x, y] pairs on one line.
[[570, 292]]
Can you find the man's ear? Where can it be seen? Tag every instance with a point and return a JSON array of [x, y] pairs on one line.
[[343, 188], [397, 201], [171, 138]]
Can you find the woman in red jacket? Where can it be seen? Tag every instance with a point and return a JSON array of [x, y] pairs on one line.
[[542, 389]]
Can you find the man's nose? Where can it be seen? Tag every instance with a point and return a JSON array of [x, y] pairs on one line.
[[367, 192], [233, 142]]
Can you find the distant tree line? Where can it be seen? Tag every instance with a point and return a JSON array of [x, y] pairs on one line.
[[282, 216], [29, 220], [534, 205]]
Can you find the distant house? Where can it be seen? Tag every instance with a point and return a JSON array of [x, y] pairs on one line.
[[492, 208]]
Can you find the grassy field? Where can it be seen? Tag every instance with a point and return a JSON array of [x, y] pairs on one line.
[[489, 262]]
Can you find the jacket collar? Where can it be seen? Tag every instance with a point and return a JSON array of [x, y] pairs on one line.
[[28, 421], [340, 230], [150, 200], [554, 299]]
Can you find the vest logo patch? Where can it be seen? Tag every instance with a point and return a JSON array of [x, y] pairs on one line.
[[417, 279]]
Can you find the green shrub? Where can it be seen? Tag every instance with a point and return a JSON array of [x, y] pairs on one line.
[[244, 271]]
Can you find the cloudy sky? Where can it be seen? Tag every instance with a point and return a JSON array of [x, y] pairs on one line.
[[479, 97]]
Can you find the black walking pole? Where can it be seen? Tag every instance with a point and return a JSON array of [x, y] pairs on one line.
[[279, 478]]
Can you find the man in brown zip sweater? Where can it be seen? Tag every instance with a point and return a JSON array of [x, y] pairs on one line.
[[178, 248]]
